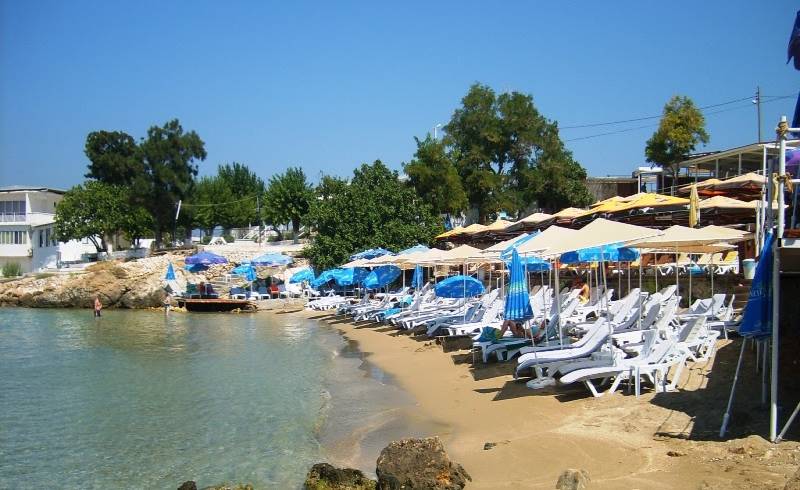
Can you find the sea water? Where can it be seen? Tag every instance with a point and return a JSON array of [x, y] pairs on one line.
[[144, 399]]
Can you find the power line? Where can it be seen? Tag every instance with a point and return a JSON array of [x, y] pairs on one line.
[[645, 118], [220, 203], [773, 98]]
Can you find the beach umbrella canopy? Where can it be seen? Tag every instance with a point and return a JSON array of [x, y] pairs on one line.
[[518, 301], [371, 253], [302, 275], [459, 287], [272, 260], [506, 253], [323, 278], [349, 277], [381, 276], [416, 248], [206, 258], [170, 275], [416, 279], [613, 253]]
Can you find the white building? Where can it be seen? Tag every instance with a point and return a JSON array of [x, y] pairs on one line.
[[27, 216]]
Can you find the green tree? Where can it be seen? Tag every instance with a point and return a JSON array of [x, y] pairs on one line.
[[159, 170], [114, 157], [433, 175], [208, 210], [243, 186], [288, 198], [169, 156], [681, 129], [96, 210], [506, 152], [375, 209]]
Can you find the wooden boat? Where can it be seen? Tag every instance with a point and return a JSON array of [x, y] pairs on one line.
[[216, 304]]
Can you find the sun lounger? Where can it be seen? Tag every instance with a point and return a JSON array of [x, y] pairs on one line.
[[594, 339]]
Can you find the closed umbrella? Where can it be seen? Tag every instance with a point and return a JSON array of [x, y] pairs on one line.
[[459, 287], [416, 279], [381, 276], [206, 258], [302, 275], [518, 301], [694, 208], [170, 276]]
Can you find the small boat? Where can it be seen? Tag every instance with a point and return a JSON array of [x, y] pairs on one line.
[[217, 304]]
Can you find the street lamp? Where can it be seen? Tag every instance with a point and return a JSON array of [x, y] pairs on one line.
[[435, 128]]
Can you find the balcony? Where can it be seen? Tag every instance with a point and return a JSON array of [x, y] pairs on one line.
[[12, 217]]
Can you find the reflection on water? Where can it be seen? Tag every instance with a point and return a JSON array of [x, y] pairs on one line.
[[139, 399]]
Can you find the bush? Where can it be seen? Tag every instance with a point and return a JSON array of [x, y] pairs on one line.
[[12, 269], [228, 238], [44, 275]]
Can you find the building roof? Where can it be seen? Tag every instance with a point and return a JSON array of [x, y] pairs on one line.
[[23, 188]]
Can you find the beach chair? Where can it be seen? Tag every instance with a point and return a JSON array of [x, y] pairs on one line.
[[210, 293], [729, 264], [592, 341]]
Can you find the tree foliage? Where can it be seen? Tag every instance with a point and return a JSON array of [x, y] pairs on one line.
[[432, 173], [288, 198], [375, 209], [159, 170], [227, 199], [96, 210], [681, 129], [509, 156]]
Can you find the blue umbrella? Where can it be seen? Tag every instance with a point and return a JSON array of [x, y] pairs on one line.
[[195, 267], [349, 276], [415, 249], [416, 280], [323, 278], [518, 301], [170, 276], [272, 260], [757, 321], [381, 276], [206, 258], [370, 254], [459, 287], [302, 275], [506, 254], [611, 253], [532, 264]]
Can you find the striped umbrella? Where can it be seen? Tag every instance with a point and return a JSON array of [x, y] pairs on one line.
[[518, 301]]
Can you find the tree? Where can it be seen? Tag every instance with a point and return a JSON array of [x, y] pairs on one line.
[[288, 197], [227, 199], [432, 173], [169, 156], [114, 157], [681, 129], [506, 154], [159, 170], [96, 210], [375, 209]]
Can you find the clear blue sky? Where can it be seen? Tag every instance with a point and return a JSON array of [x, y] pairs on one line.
[[329, 85]]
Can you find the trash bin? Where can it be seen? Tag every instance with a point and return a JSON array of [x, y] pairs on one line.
[[749, 266]]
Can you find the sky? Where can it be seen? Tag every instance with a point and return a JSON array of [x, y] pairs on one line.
[[330, 85]]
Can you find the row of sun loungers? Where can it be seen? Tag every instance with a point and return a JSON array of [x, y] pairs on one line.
[[600, 343]]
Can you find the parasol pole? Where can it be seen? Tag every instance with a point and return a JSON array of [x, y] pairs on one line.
[[776, 281]]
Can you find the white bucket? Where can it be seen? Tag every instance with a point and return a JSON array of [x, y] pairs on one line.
[[749, 266]]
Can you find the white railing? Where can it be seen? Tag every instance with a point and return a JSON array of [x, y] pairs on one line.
[[12, 217]]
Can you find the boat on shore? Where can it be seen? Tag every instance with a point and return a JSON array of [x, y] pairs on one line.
[[209, 305]]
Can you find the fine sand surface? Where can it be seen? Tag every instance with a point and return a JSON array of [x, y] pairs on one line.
[[657, 441]]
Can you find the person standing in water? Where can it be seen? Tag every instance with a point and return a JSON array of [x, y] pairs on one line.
[[97, 306]]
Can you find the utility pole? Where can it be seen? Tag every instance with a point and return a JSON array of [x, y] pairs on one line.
[[260, 223], [757, 102]]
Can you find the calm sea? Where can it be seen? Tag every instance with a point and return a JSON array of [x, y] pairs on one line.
[[140, 399]]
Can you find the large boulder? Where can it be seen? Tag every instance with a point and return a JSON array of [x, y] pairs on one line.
[[572, 479], [323, 476], [419, 463]]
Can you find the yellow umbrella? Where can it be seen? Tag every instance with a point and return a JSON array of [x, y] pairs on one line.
[[694, 207]]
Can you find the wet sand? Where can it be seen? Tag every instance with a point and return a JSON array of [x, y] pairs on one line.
[[656, 441]]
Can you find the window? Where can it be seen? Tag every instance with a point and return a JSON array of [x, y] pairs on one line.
[[13, 237], [12, 210], [41, 238], [53, 241]]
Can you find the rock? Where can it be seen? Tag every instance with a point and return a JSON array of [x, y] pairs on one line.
[[188, 485], [419, 463], [572, 479], [794, 482], [489, 445], [323, 476], [676, 454]]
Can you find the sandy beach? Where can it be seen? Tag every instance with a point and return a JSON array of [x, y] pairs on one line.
[[656, 441]]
